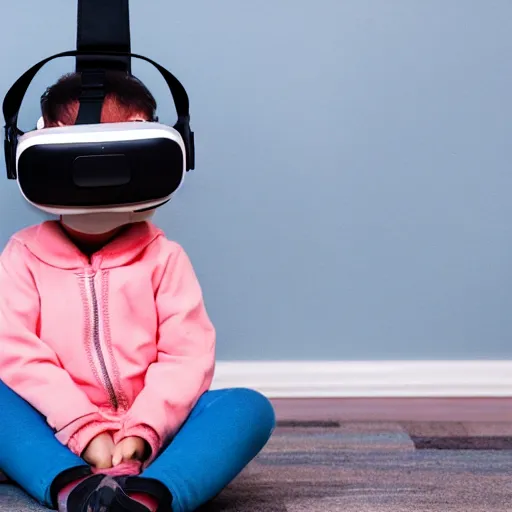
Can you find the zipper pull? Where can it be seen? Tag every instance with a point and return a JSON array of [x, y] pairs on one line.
[[95, 264]]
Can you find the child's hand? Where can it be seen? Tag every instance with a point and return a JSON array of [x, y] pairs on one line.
[[130, 448], [99, 451]]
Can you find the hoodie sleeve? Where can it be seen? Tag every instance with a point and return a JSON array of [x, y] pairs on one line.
[[185, 361], [28, 365]]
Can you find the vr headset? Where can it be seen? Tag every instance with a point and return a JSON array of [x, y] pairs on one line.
[[93, 167]]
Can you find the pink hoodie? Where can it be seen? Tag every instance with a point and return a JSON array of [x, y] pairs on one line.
[[120, 343]]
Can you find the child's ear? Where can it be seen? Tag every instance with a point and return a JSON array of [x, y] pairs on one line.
[[41, 124]]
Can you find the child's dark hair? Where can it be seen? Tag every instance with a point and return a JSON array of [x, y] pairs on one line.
[[126, 96]]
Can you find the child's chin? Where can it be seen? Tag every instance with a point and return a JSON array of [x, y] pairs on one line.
[[90, 237]]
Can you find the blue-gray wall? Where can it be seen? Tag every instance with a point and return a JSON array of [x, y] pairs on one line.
[[352, 198]]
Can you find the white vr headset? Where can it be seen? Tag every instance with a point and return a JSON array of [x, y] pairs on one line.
[[92, 167], [109, 167]]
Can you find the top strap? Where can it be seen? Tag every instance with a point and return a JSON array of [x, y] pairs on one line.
[[103, 26]]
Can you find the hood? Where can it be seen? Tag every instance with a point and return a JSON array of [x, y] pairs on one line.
[[49, 243]]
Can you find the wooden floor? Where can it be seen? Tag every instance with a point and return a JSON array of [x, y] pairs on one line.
[[394, 409]]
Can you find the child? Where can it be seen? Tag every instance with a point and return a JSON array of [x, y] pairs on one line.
[[107, 356]]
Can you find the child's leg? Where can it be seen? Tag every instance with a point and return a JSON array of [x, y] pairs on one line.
[[224, 432], [29, 452]]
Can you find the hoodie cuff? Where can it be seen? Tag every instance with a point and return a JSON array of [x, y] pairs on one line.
[[145, 432], [65, 434], [82, 437]]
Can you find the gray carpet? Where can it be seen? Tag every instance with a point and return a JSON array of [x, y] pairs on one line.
[[366, 467]]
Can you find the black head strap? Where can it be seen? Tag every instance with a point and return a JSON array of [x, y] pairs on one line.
[[14, 98], [102, 26], [92, 96]]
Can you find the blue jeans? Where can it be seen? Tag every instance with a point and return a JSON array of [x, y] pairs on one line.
[[223, 433]]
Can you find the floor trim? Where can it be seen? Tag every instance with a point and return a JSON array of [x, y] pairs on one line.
[[331, 379]]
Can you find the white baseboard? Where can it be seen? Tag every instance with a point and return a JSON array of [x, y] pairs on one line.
[[319, 379]]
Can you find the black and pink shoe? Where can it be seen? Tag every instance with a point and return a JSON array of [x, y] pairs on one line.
[[100, 493]]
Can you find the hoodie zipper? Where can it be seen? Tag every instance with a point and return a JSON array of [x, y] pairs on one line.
[[96, 339]]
